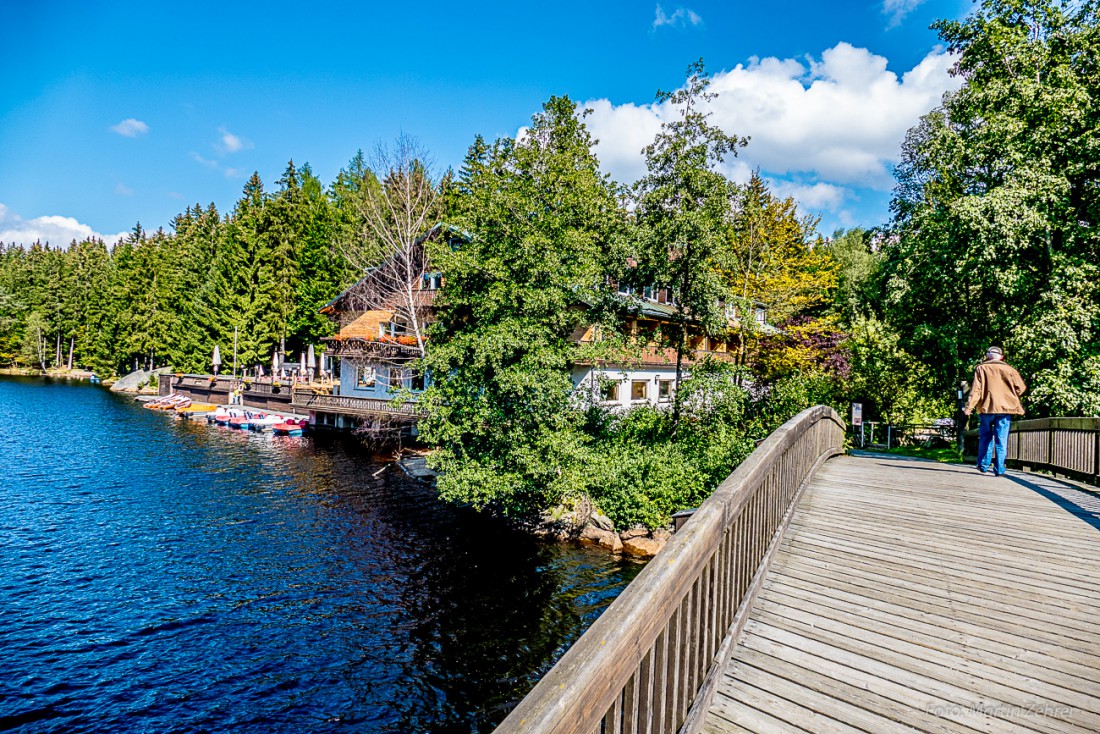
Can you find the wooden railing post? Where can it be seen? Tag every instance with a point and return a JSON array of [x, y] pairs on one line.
[[1096, 455]]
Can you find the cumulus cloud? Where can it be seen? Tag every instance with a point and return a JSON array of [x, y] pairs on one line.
[[826, 126], [817, 196], [680, 17], [56, 230], [896, 10], [230, 143], [130, 128]]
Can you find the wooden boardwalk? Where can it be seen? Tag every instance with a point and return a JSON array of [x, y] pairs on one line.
[[913, 596]]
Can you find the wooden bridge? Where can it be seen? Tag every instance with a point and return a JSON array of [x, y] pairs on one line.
[[815, 592]]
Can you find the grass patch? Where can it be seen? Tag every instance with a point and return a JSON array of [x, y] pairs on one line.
[[944, 455]]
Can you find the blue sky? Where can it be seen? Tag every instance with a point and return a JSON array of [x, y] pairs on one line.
[[117, 112]]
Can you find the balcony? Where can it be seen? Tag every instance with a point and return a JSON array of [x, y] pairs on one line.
[[387, 348], [348, 405]]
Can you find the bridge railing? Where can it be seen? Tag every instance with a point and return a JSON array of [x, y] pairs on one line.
[[651, 662], [1068, 446]]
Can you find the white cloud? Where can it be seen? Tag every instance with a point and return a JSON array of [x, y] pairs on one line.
[[202, 161], [56, 230], [833, 124], [816, 196], [130, 128], [230, 143], [681, 16], [898, 9], [123, 190]]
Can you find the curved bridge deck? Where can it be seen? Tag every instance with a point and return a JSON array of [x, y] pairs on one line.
[[913, 596]]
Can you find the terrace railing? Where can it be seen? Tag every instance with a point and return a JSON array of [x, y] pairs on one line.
[[350, 405], [651, 662]]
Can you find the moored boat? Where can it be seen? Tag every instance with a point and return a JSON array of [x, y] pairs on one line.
[[244, 421], [222, 415], [266, 422], [169, 402], [291, 427], [196, 410]]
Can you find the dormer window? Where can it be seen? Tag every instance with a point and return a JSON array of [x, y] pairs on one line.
[[392, 328]]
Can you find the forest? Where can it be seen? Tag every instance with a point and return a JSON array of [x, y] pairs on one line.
[[993, 240]]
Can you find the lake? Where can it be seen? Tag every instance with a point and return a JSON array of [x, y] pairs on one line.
[[163, 575]]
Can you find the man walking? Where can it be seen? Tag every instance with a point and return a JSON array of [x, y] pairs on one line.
[[996, 396]]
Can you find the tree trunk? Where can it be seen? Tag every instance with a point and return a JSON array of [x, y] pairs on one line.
[[41, 350], [680, 342]]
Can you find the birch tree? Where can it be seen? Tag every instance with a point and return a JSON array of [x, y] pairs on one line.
[[396, 215]]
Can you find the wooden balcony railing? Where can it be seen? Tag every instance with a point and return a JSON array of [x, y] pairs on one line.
[[371, 349], [651, 662], [350, 405]]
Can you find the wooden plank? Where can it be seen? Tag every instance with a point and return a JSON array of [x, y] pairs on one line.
[[923, 596], [869, 628], [1019, 649], [966, 692], [985, 679], [1071, 576]]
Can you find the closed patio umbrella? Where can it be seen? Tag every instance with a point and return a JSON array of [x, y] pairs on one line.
[[217, 361]]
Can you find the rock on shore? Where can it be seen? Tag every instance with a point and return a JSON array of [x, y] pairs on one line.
[[580, 522], [136, 380]]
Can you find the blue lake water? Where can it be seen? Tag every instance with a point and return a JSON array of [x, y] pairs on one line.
[[168, 576]]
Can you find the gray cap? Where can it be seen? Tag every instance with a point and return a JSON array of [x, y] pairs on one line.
[[995, 350]]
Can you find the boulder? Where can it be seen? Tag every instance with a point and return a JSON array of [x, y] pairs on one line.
[[635, 532], [601, 521], [606, 539], [642, 547], [661, 534]]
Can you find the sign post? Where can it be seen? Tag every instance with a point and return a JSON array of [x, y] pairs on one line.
[[960, 417], [857, 420]]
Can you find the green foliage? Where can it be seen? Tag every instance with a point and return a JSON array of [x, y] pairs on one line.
[[949, 455], [169, 297], [891, 385], [996, 206], [682, 213], [859, 272], [541, 218], [646, 487]]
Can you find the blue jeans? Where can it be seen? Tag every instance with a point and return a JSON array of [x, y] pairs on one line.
[[993, 429]]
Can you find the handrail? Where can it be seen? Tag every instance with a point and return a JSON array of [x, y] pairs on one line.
[[651, 661], [1068, 445]]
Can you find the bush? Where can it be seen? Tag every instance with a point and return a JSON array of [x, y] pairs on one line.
[[647, 485]]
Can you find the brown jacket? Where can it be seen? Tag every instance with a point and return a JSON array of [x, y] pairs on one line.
[[997, 389]]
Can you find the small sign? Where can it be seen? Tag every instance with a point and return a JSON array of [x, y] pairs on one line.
[[857, 414]]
